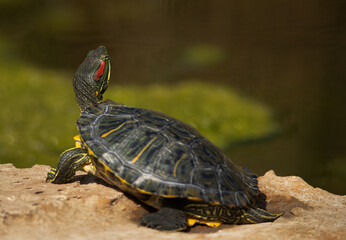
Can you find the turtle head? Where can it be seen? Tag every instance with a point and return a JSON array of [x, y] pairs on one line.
[[92, 77]]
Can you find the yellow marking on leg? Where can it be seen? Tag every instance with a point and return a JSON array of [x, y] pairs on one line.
[[142, 151], [191, 221], [78, 141], [67, 150], [53, 172], [115, 129], [211, 224], [176, 165], [249, 220]]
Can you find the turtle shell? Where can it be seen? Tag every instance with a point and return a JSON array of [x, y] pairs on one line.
[[157, 154]]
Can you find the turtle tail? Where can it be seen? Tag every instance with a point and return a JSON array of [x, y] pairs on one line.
[[256, 215], [229, 214]]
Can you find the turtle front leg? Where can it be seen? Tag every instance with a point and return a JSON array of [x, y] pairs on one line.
[[69, 162], [166, 219]]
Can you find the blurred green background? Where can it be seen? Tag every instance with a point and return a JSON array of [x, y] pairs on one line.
[[264, 80]]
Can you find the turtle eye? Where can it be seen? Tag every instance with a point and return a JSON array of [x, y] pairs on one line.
[[98, 73]]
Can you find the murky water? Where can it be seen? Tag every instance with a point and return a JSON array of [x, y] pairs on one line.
[[287, 54]]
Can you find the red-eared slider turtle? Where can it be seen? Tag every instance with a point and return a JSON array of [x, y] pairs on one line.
[[158, 159]]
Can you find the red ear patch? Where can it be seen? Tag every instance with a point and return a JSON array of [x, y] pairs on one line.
[[99, 71]]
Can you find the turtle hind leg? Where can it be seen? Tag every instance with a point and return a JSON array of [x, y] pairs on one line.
[[166, 219], [69, 161]]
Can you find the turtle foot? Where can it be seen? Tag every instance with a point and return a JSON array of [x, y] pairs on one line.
[[51, 175], [166, 219]]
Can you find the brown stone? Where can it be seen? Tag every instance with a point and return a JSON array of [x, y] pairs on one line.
[[88, 208]]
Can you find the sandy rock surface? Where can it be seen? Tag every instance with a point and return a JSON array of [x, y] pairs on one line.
[[88, 208]]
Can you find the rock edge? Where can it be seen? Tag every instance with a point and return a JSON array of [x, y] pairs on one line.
[[88, 208]]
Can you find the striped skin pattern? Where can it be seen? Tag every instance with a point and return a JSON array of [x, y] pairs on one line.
[[152, 153], [70, 160], [227, 214]]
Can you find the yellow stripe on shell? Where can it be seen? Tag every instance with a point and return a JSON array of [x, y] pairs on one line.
[[176, 165], [142, 151], [115, 129]]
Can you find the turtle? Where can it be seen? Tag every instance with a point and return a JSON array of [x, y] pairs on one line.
[[159, 160]]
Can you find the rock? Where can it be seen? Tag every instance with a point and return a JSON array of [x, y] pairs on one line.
[[88, 208]]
